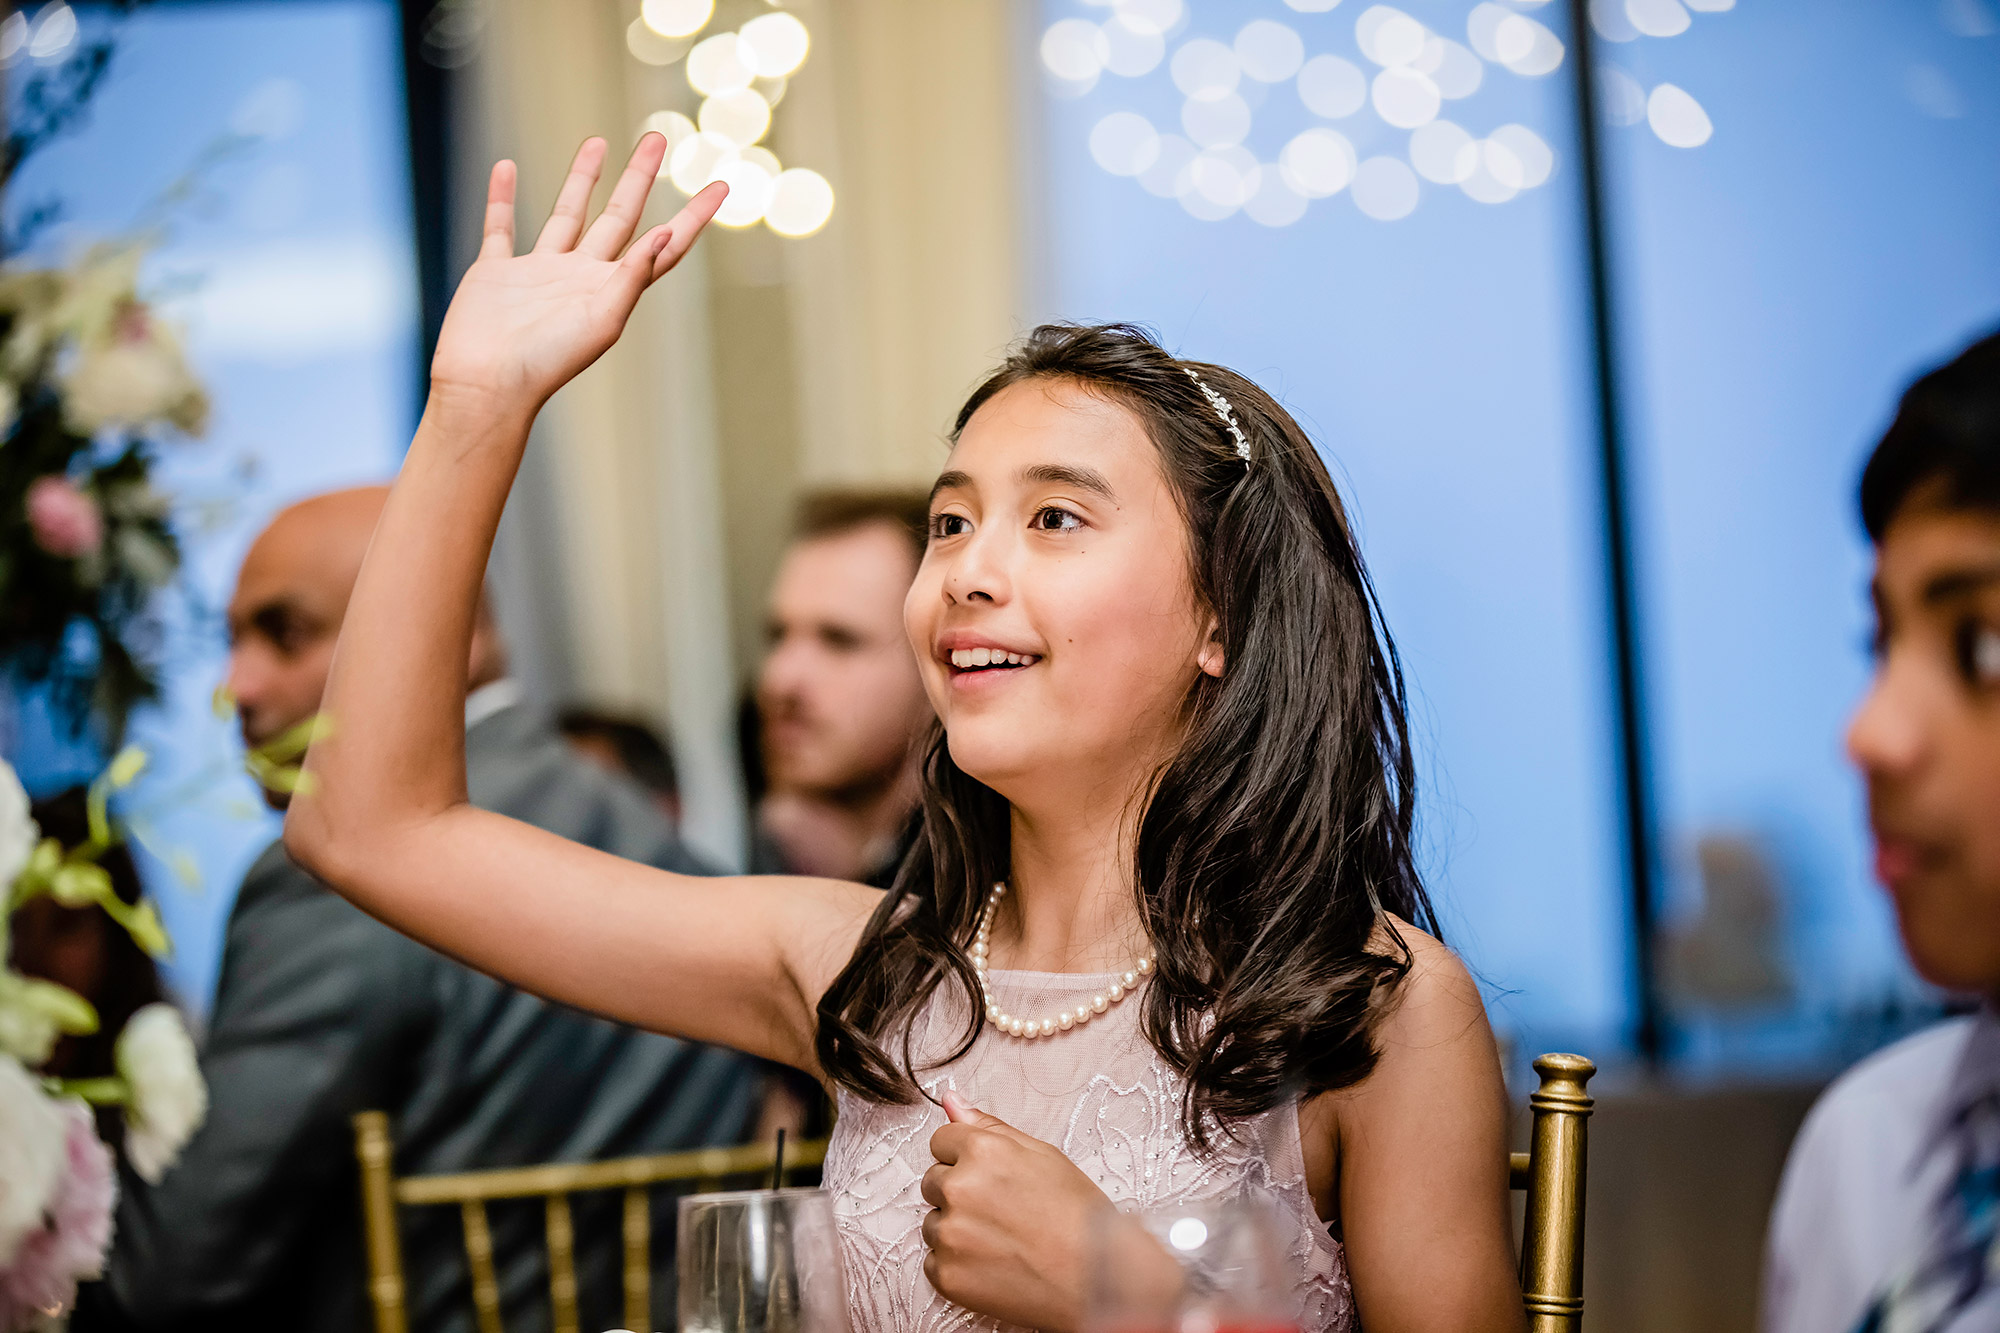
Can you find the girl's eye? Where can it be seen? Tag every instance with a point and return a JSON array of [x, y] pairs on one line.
[[948, 525], [1979, 653], [1051, 519]]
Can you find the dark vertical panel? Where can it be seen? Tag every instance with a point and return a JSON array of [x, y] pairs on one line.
[[1635, 795], [428, 101]]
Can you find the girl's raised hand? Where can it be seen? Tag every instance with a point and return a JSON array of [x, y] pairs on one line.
[[522, 326]]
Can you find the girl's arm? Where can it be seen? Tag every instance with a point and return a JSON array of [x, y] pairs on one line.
[[383, 817], [1422, 1152]]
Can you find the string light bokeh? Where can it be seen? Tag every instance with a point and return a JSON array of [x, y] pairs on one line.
[[740, 77], [1416, 81], [45, 38]]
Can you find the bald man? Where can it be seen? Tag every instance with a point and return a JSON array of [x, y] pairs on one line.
[[284, 620], [321, 1011]]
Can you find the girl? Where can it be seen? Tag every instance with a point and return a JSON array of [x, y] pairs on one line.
[[1159, 939]]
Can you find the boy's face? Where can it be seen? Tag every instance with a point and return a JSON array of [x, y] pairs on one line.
[[1927, 739]]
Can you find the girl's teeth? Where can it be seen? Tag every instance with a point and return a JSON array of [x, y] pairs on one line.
[[967, 659]]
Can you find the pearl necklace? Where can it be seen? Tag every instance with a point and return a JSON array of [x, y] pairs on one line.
[[1120, 987]]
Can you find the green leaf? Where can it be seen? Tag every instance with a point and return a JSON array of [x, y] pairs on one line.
[[127, 767], [36, 876], [97, 805], [292, 743], [62, 1006], [96, 1091], [143, 924], [47, 856], [285, 778], [80, 884]]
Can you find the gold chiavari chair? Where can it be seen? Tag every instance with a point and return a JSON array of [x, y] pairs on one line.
[[1551, 1173], [383, 1192]]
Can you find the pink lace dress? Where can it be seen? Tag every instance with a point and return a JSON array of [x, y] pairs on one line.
[[1102, 1095]]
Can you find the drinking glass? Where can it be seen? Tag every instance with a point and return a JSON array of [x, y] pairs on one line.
[[760, 1261], [1212, 1266]]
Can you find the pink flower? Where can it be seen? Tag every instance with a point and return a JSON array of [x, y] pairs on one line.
[[66, 521], [75, 1234]]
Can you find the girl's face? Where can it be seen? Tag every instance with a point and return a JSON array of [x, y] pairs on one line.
[[1053, 617]]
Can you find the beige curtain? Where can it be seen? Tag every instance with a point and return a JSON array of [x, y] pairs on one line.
[[904, 305], [633, 565]]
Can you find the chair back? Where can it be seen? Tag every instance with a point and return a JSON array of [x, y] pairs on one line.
[[1551, 1173], [383, 1193]]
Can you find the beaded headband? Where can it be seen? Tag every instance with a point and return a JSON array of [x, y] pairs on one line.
[[1226, 412]]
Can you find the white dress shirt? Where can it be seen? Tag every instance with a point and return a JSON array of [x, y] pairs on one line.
[[1862, 1184], [491, 698]]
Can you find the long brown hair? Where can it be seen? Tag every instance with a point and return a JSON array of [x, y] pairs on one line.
[[1277, 839]]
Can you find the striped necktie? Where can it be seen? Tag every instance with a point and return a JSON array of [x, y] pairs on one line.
[[1962, 1259]]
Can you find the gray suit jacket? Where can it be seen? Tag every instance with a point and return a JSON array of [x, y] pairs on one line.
[[322, 1011]]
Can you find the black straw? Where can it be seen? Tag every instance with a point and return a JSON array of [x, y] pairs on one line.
[[778, 1163]]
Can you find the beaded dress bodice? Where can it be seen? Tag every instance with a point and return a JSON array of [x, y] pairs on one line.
[[1098, 1092]]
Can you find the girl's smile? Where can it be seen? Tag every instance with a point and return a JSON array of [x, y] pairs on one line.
[[973, 659]]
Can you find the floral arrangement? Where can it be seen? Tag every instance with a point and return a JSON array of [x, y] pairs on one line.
[[90, 379], [57, 1182]]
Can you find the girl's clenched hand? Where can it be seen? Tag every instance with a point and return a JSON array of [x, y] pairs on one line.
[[1009, 1234]]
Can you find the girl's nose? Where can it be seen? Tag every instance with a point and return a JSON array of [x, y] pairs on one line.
[[1886, 736], [978, 571]]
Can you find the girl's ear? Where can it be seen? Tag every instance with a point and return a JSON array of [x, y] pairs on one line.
[[1210, 657]]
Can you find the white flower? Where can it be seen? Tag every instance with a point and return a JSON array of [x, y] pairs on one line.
[[135, 377], [69, 1245], [168, 1098], [18, 834], [86, 299], [33, 1150]]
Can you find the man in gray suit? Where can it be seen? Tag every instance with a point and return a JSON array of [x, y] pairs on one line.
[[321, 1011]]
